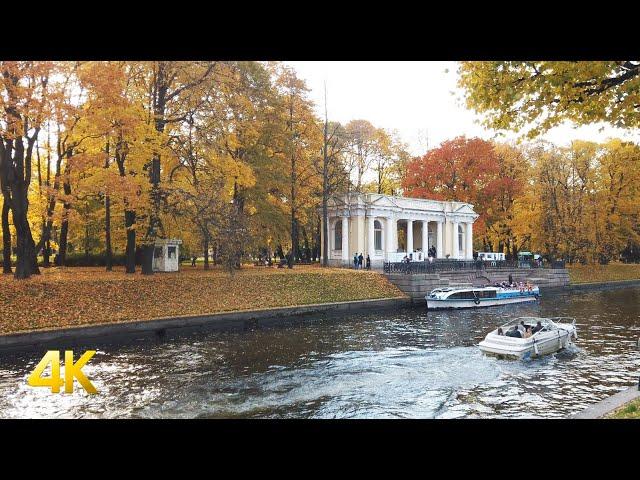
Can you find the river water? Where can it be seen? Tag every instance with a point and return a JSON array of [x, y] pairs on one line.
[[408, 363]]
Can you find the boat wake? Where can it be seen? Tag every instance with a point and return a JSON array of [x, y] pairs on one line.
[[399, 382]]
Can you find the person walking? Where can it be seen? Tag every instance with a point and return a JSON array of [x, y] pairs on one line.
[[355, 261], [368, 262], [360, 259]]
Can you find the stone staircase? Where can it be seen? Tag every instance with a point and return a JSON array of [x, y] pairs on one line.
[[416, 286]]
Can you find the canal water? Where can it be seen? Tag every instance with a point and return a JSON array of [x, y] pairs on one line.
[[408, 363]]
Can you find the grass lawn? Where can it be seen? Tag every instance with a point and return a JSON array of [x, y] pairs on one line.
[[630, 410], [604, 273], [72, 296]]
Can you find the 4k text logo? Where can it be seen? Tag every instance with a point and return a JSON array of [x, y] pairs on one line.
[[71, 371]]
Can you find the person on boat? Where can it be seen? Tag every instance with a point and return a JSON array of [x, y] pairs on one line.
[[524, 326], [527, 333], [537, 328], [514, 332], [500, 332]]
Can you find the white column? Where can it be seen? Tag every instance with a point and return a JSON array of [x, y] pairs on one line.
[[469, 240], [372, 248], [439, 250], [409, 236], [345, 239], [454, 236], [388, 237], [425, 237]]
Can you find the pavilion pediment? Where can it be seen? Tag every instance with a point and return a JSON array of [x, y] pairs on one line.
[[336, 202], [465, 209], [383, 201]]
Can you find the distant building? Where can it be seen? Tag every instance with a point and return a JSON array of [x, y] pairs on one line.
[[388, 228]]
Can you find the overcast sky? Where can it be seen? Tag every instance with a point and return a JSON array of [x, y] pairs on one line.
[[418, 99]]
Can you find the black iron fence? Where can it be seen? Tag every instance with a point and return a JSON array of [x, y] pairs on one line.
[[452, 265]]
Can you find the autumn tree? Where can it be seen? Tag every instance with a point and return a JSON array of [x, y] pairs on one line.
[[299, 148], [201, 185], [462, 170], [542, 94], [618, 186], [581, 202], [24, 101], [364, 147], [389, 164], [332, 167], [173, 90], [511, 180]]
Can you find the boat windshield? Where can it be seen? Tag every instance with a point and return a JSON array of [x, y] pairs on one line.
[[532, 321]]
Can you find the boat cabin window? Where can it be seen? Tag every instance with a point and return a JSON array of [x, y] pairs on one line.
[[462, 296], [470, 295], [487, 294]]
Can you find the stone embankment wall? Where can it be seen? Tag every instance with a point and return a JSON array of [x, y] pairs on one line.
[[418, 285]]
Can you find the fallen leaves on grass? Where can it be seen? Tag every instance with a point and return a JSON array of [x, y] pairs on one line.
[[604, 273], [62, 297]]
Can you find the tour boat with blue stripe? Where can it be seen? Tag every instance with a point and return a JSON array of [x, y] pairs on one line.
[[476, 297], [529, 337]]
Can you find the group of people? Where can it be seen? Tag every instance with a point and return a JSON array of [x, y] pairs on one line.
[[517, 330], [521, 286], [431, 255], [358, 261]]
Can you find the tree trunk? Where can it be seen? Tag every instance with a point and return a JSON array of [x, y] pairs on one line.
[[64, 230], [129, 220], [107, 232], [107, 219], [46, 254], [317, 240], [61, 258], [325, 188], [160, 91], [292, 199], [147, 259], [206, 253], [26, 263], [6, 238], [86, 243]]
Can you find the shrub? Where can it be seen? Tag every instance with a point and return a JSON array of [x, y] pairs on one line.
[[93, 260]]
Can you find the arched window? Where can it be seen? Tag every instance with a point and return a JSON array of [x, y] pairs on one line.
[[337, 236], [377, 235], [460, 240]]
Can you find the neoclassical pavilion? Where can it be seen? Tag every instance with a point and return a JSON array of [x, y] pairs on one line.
[[389, 228]]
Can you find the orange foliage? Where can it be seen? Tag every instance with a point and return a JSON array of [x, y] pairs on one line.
[[65, 297]]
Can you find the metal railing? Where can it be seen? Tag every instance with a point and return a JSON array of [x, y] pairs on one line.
[[442, 265]]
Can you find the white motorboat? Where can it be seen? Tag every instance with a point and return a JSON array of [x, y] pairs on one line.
[[475, 297], [551, 337]]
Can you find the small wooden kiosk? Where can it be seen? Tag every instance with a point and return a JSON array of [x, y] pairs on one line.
[[166, 255]]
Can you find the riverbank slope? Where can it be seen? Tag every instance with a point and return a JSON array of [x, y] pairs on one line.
[[614, 272], [72, 297]]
